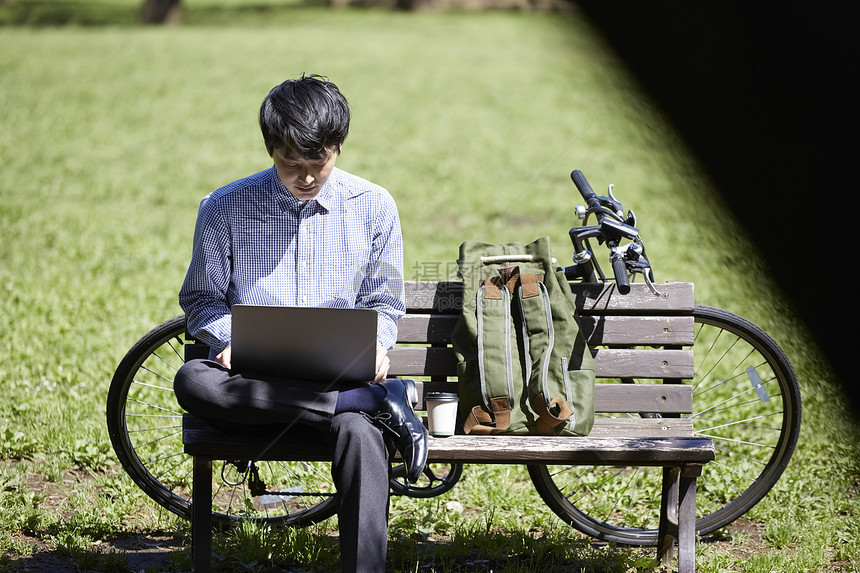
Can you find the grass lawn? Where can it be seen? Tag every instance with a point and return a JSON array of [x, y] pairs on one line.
[[110, 135]]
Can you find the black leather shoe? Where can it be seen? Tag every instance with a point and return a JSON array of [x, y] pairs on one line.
[[409, 434]]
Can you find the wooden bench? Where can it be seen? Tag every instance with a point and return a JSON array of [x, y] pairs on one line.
[[613, 323]]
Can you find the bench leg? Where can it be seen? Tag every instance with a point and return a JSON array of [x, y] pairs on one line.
[[678, 517], [201, 515], [668, 531], [687, 518]]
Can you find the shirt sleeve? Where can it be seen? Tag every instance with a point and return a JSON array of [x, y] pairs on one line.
[[203, 295], [382, 286]]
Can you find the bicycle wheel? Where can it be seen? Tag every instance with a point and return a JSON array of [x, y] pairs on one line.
[[436, 479], [745, 398], [145, 426]]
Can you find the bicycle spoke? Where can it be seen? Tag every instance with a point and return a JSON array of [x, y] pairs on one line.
[[159, 459], [148, 385], [157, 407], [600, 485], [156, 440], [167, 362], [734, 470], [741, 442], [744, 423], [154, 429], [731, 377], [736, 405], [732, 452], [157, 374]]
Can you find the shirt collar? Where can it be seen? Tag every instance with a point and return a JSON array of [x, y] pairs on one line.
[[327, 195], [327, 198]]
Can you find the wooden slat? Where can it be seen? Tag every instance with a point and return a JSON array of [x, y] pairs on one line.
[[431, 296], [665, 399], [676, 298], [617, 363], [598, 330], [654, 451], [646, 451], [425, 328], [638, 330], [635, 427], [657, 450], [609, 363], [422, 361], [644, 398]]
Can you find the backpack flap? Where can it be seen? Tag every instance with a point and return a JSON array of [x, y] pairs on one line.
[[495, 361], [562, 390], [541, 353]]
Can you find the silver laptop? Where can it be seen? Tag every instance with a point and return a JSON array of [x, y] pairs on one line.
[[300, 343]]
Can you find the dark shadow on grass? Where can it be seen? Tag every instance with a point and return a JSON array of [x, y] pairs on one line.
[[128, 552], [762, 95], [53, 13], [39, 13]]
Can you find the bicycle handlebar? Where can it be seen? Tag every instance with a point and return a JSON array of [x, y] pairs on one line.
[[612, 228], [619, 268], [585, 189]]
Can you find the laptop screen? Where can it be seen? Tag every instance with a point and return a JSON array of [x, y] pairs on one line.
[[301, 343]]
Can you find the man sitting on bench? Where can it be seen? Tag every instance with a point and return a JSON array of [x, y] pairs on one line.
[[304, 233]]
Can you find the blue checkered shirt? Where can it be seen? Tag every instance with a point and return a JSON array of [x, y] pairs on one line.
[[255, 243]]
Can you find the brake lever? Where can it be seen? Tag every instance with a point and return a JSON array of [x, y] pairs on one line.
[[643, 267], [612, 203], [637, 262], [647, 277]]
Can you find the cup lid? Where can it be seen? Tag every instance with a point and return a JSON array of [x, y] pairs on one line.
[[442, 396]]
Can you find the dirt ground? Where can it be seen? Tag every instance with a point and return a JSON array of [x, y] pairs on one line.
[[149, 553], [144, 553]]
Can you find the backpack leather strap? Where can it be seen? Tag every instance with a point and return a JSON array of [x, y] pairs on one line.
[[483, 423], [551, 414]]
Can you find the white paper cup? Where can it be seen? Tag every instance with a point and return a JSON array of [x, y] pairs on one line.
[[442, 413]]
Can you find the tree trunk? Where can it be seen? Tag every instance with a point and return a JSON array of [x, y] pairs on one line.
[[161, 12]]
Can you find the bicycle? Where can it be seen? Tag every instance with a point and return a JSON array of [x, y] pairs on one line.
[[746, 399]]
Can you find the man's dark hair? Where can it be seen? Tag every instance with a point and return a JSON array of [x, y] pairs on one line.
[[307, 115]]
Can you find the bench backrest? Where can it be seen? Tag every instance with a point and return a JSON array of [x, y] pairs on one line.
[[637, 335], [634, 336]]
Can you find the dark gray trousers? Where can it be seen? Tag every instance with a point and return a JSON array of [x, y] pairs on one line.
[[360, 467]]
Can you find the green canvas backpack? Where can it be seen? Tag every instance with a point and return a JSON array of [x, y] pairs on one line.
[[523, 364]]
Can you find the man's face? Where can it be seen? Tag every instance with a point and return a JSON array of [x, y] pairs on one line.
[[304, 177]]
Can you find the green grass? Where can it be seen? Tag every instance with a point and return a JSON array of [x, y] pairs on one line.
[[111, 135]]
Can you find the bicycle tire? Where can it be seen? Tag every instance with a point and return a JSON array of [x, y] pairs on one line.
[[754, 428], [145, 427]]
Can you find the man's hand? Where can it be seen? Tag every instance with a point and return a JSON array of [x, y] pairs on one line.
[[382, 364], [224, 358]]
